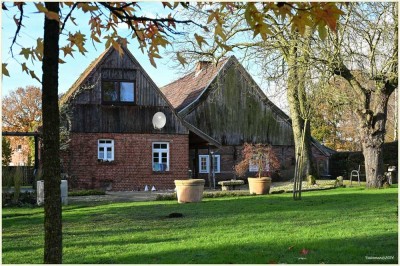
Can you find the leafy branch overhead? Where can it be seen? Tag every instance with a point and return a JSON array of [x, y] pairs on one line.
[[153, 32]]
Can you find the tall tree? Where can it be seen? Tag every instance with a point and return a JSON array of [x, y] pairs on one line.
[[105, 17], [22, 111], [364, 57], [51, 139]]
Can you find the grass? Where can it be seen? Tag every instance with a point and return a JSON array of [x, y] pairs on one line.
[[344, 225]]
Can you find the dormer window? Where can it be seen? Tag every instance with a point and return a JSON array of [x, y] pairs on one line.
[[118, 91]]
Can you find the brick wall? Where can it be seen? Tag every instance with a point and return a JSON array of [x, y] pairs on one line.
[[132, 165]]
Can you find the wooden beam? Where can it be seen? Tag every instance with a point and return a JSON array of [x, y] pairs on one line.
[[21, 134]]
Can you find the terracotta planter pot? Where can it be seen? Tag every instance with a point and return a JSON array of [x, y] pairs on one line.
[[259, 185], [190, 190]]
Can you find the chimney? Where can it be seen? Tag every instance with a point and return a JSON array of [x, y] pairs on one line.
[[202, 64]]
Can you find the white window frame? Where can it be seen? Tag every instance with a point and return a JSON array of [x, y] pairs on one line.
[[254, 167], [218, 164], [202, 158], [105, 143], [159, 151], [207, 158]]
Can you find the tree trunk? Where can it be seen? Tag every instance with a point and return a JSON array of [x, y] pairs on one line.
[[373, 165], [372, 136], [298, 105], [51, 142]]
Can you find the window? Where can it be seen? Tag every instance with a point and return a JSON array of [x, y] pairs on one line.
[[204, 163], [118, 91], [105, 150], [19, 148], [253, 167], [160, 156]]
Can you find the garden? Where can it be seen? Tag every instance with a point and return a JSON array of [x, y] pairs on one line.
[[342, 225]]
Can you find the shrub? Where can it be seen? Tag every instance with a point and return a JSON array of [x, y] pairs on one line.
[[18, 175], [24, 199], [7, 177], [171, 196], [221, 194], [261, 155], [89, 192]]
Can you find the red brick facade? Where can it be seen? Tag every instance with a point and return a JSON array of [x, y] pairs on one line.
[[132, 165]]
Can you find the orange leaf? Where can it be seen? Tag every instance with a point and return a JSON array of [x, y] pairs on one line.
[[152, 60], [33, 75], [52, 16], [4, 70], [181, 59], [24, 68], [304, 251], [41, 8]]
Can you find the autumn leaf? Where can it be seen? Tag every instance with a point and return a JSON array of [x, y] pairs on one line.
[[167, 4], [78, 39], [4, 70], [73, 21], [117, 47], [153, 63], [220, 32], [86, 7], [52, 16], [33, 75], [181, 59], [211, 17], [16, 20], [94, 37], [322, 31], [26, 52], [24, 68], [41, 8], [200, 39], [68, 50], [39, 48], [304, 251]]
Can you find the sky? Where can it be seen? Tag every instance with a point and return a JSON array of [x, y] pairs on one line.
[[73, 67], [70, 71]]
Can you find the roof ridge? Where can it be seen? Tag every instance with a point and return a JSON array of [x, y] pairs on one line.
[[83, 76], [183, 91]]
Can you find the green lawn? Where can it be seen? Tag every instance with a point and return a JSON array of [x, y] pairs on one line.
[[346, 225]]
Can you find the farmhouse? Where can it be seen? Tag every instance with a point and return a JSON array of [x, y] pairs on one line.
[[109, 140], [225, 102]]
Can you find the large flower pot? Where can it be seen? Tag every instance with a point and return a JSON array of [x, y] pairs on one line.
[[259, 185], [190, 190]]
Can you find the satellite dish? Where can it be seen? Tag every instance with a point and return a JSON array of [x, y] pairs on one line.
[[159, 120]]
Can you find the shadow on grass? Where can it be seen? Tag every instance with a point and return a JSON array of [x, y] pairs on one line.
[[353, 250]]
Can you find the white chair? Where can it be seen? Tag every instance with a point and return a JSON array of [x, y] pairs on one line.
[[355, 173]]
